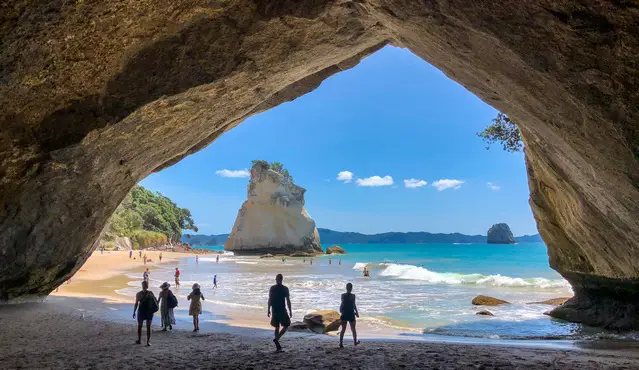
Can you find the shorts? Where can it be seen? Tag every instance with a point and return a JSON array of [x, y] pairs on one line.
[[177, 280], [348, 317], [280, 319], [144, 316]]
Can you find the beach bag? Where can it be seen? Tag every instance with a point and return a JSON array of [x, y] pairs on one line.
[[172, 300], [149, 303]]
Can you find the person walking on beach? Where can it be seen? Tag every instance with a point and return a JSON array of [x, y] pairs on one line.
[[217, 259], [145, 258], [130, 253], [145, 306], [140, 253], [160, 257], [311, 262], [215, 281], [168, 301], [177, 277], [277, 295], [348, 309], [195, 309]]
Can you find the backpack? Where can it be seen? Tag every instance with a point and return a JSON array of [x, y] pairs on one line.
[[149, 303], [171, 300]]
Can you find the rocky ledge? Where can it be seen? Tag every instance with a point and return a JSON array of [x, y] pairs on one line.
[[273, 218]]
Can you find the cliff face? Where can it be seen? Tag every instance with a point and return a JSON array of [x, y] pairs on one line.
[[273, 218], [500, 234], [92, 104]]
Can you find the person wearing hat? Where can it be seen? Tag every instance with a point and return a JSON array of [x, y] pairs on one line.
[[167, 301], [195, 309]]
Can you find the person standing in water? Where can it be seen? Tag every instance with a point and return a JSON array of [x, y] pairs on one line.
[[177, 277], [145, 306], [195, 309], [329, 261], [340, 261], [167, 301], [277, 296], [197, 258], [217, 259], [145, 275], [215, 281], [348, 309]]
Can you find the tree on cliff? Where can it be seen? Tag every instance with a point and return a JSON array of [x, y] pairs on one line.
[[150, 218], [275, 166], [503, 130]]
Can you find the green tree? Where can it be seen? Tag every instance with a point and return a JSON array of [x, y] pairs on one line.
[[503, 130]]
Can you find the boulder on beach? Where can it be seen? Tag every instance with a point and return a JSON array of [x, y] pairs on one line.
[[323, 321], [483, 300], [335, 249], [273, 218], [302, 254], [298, 326], [484, 313], [267, 255], [500, 234], [552, 301]]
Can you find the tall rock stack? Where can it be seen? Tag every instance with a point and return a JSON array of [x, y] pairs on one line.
[[273, 218], [500, 234]]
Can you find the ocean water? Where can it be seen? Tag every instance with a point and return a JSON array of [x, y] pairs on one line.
[[419, 289]]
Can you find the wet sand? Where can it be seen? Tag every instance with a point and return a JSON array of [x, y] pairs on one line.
[[86, 324], [53, 335]]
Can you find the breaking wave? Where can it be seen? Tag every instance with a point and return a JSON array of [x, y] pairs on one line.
[[410, 272]]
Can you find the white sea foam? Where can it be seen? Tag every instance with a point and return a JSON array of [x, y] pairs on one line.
[[246, 262], [360, 266], [410, 272]]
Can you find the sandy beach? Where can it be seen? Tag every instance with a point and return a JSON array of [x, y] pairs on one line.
[[87, 325]]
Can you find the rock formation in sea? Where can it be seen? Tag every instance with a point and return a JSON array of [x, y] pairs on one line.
[[500, 234], [483, 300], [335, 249], [273, 218], [91, 105]]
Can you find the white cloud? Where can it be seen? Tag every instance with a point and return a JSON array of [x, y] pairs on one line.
[[346, 176], [414, 183], [375, 181], [492, 186], [233, 173], [444, 184]]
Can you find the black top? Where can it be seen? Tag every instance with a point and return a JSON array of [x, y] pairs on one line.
[[277, 296], [348, 303]]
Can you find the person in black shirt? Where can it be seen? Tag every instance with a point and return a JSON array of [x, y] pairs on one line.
[[276, 297], [349, 311]]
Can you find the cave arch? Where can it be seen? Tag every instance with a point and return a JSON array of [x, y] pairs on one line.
[[97, 96]]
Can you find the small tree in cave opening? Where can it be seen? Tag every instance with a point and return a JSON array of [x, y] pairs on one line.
[[503, 130]]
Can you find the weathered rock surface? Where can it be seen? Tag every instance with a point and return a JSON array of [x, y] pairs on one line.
[[482, 300], [273, 218], [97, 95], [123, 243], [323, 321], [335, 249], [500, 234], [484, 313], [298, 326], [553, 301]]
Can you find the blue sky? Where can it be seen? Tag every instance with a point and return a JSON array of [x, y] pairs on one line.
[[392, 115]]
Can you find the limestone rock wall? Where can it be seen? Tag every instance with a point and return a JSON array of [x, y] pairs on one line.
[[273, 218], [500, 234], [94, 96]]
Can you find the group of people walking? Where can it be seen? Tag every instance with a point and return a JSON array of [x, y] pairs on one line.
[[279, 309]]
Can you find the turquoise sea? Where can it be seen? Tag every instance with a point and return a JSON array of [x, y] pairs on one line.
[[418, 289]]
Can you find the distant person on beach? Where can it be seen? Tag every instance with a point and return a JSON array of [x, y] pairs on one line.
[[366, 272], [340, 261], [215, 281], [348, 309], [145, 275], [130, 253], [217, 259], [145, 306], [145, 258], [177, 277], [277, 295], [160, 257], [311, 262], [197, 259], [195, 309], [140, 253], [168, 301]]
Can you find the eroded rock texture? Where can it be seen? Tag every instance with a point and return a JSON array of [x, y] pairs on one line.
[[500, 234], [96, 95], [273, 218]]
